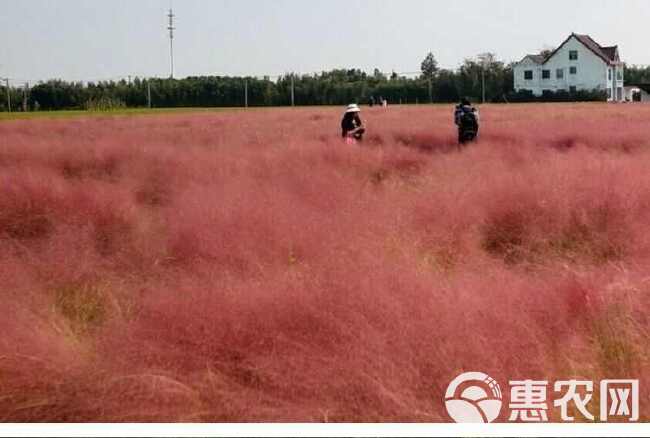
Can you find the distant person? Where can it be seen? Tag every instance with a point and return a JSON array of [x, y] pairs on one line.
[[466, 118], [351, 125], [371, 101]]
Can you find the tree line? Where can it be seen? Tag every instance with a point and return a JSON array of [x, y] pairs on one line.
[[480, 78]]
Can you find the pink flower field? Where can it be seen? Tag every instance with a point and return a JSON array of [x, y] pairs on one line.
[[250, 266]]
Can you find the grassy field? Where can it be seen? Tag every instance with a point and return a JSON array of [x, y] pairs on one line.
[[164, 111], [249, 265], [122, 112]]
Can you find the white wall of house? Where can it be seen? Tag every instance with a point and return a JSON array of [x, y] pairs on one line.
[[617, 83], [534, 84], [592, 72]]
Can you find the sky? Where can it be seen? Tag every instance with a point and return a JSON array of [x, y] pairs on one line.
[[93, 40]]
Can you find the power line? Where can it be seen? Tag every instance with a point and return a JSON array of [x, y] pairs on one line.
[[133, 75]]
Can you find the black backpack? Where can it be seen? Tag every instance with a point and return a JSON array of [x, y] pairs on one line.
[[468, 120]]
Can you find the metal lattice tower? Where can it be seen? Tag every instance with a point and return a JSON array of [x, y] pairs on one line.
[[171, 30]]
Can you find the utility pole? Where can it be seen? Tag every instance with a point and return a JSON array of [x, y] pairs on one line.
[[8, 95], [430, 91], [293, 94], [246, 93], [148, 93], [486, 60], [25, 96], [171, 30], [483, 81]]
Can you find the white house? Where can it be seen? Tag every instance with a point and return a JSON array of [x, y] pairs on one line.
[[579, 63]]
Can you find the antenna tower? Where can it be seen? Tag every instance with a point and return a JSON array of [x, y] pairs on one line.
[[171, 30]]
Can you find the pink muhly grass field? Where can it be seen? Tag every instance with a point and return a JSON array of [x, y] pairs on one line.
[[250, 266]]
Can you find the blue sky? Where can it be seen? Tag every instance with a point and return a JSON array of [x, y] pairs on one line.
[[101, 39]]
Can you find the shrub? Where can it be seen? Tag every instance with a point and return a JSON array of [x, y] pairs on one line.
[[558, 96], [104, 103]]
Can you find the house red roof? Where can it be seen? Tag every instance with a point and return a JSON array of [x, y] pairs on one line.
[[607, 54], [612, 53]]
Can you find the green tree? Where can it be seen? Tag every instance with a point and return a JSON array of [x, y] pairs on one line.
[[429, 66], [335, 87], [546, 51], [378, 75], [637, 74]]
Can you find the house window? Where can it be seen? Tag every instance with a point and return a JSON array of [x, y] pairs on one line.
[[573, 55], [609, 93], [546, 74], [559, 73], [573, 70], [572, 90], [619, 75], [528, 75], [609, 75]]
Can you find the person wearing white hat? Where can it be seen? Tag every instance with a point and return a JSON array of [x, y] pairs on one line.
[[351, 125]]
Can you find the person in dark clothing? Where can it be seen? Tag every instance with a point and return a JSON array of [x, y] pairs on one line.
[[466, 118], [351, 126]]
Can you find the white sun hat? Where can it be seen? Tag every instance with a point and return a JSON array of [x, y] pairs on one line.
[[353, 108]]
